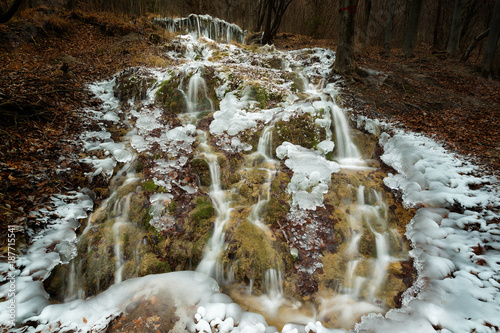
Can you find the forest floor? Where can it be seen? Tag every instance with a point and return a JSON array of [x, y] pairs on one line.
[[47, 59]]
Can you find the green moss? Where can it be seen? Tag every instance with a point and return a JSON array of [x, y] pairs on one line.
[[170, 97], [204, 209], [138, 209], [334, 267], [149, 185], [201, 168], [300, 130], [151, 264], [278, 205], [253, 252], [391, 290]]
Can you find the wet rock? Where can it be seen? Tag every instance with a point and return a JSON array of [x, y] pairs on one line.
[[171, 97], [133, 83], [202, 170], [299, 130], [251, 252]]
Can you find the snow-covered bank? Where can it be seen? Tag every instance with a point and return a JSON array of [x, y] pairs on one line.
[[455, 238]]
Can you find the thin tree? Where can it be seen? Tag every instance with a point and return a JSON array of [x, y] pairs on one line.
[[364, 24], [411, 31], [273, 13], [456, 28], [437, 26], [388, 27], [491, 46], [344, 57], [6, 15]]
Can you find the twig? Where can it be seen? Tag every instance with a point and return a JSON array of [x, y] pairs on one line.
[[52, 92], [8, 134]]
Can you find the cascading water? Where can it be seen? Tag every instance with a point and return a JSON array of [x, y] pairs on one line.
[[368, 224], [274, 223], [197, 98], [219, 197], [204, 26]]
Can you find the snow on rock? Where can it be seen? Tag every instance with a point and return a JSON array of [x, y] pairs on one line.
[[52, 245], [311, 174], [184, 289]]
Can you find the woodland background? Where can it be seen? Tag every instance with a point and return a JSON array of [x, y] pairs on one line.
[[316, 18]]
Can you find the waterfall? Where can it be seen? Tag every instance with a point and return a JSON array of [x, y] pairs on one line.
[[204, 26], [351, 239], [365, 218], [265, 145], [209, 264], [346, 149], [196, 96]]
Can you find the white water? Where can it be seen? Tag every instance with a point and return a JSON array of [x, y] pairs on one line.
[[222, 206], [366, 217], [204, 26], [196, 88]]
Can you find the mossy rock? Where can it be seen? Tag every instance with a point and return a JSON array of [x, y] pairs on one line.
[[341, 227], [366, 143], [149, 185], [300, 130], [151, 264], [201, 168], [250, 252], [367, 245], [264, 98], [213, 82], [97, 262], [204, 209], [278, 205], [364, 268], [391, 290], [334, 268], [133, 83], [229, 166], [138, 210], [170, 97], [185, 247]]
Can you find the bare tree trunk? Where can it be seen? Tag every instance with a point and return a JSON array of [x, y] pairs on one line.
[[344, 57], [437, 26], [261, 13], [275, 11], [5, 16], [411, 33], [456, 28], [388, 27], [491, 46], [266, 39], [364, 25]]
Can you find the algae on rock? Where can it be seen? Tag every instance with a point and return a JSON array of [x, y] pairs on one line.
[[300, 130], [171, 97], [133, 84], [251, 252]]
